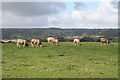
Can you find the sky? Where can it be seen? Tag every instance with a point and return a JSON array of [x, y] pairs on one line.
[[90, 15]]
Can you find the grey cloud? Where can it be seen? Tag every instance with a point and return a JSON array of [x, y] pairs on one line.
[[115, 4], [33, 8], [79, 5], [10, 21]]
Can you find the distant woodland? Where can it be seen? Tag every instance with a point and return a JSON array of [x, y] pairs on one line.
[[91, 35]]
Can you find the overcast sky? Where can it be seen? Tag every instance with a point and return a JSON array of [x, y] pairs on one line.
[[60, 14]]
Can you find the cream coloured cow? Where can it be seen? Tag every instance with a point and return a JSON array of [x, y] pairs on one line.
[[55, 41], [6, 41], [21, 41], [50, 39], [106, 41], [36, 41], [76, 41]]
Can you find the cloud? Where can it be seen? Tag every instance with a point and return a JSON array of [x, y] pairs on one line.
[[115, 4], [46, 14], [30, 14], [32, 8], [79, 5], [105, 16], [53, 21], [10, 20]]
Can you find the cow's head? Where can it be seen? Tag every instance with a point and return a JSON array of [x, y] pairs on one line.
[[40, 44], [109, 42], [27, 44]]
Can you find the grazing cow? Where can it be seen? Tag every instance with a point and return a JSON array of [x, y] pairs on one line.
[[50, 39], [55, 41], [21, 41], [76, 41], [106, 41], [36, 41], [6, 41]]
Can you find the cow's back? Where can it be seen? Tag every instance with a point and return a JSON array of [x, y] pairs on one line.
[[35, 40], [51, 38], [20, 41], [103, 40], [76, 40]]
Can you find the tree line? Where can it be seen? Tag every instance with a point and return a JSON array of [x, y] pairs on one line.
[[90, 35]]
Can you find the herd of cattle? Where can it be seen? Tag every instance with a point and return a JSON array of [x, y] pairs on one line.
[[38, 42]]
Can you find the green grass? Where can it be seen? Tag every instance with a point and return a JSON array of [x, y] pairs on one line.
[[89, 60]]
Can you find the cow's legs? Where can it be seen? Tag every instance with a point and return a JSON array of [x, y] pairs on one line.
[[24, 44], [52, 43], [19, 44], [56, 43], [32, 44], [74, 43], [110, 43], [48, 39], [107, 42], [78, 43], [37, 45], [101, 43]]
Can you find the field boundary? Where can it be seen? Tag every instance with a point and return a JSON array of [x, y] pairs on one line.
[[60, 79]]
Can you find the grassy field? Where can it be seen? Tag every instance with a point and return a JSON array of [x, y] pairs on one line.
[[89, 60]]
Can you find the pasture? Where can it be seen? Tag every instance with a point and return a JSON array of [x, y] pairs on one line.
[[89, 60]]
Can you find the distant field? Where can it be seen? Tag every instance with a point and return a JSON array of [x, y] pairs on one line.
[[89, 60]]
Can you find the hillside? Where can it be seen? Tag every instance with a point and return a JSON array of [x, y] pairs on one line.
[[14, 33]]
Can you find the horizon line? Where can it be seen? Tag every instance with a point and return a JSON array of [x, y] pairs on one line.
[[51, 28]]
